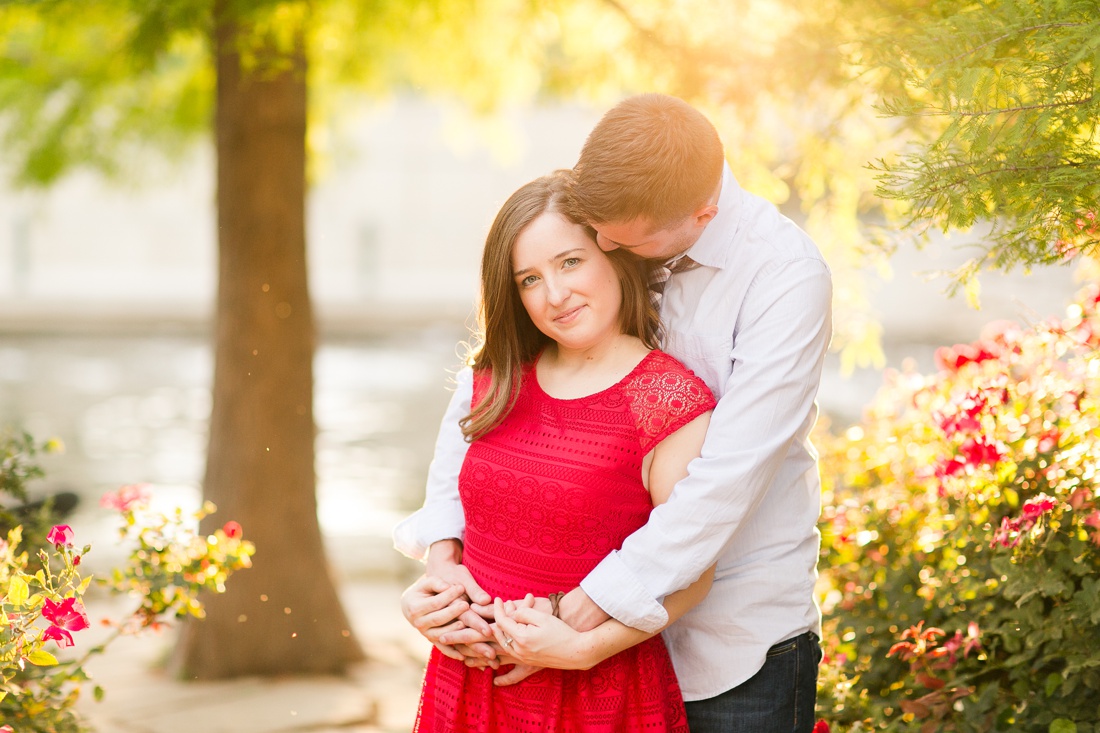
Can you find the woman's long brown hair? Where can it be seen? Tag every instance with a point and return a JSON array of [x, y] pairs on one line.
[[506, 339]]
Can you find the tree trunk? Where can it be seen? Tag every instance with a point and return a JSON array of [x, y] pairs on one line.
[[283, 615]]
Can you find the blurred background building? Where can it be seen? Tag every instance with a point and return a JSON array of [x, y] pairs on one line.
[[106, 296]]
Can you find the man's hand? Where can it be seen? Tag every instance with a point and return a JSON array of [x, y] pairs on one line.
[[445, 562], [516, 674], [433, 606]]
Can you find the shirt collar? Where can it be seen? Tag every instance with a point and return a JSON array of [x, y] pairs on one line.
[[713, 249]]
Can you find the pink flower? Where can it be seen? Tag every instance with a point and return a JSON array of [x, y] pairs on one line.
[[1048, 441], [6, 729], [126, 498], [1008, 534], [68, 615], [61, 534], [1079, 498], [1093, 520], [953, 358]]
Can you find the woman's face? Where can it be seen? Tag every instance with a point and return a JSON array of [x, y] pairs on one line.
[[567, 284]]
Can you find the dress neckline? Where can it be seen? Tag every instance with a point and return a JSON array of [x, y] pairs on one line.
[[533, 375]]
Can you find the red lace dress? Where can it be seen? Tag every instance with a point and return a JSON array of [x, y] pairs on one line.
[[547, 495]]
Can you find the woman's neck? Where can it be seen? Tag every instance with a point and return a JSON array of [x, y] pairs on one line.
[[571, 373]]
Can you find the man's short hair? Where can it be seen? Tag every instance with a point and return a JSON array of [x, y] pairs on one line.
[[651, 155]]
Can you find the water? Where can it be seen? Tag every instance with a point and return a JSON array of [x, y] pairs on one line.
[[134, 409]]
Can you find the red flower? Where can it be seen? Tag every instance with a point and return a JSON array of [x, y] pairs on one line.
[[1037, 507], [967, 643], [232, 530], [61, 636], [819, 727], [951, 467], [61, 534], [69, 614], [978, 451], [966, 418]]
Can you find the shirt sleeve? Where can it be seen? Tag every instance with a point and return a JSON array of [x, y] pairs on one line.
[[784, 329], [441, 517]]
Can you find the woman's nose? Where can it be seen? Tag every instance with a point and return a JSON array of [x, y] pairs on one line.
[[557, 291]]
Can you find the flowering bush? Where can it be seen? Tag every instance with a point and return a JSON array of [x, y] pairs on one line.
[[961, 540], [41, 604]]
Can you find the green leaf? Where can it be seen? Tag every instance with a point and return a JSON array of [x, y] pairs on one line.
[[1061, 725], [1054, 681], [41, 658], [18, 591]]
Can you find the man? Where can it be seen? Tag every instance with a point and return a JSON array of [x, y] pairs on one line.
[[747, 308]]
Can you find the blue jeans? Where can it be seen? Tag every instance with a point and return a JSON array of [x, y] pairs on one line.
[[777, 699]]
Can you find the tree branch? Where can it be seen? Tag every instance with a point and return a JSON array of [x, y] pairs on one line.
[[1006, 110]]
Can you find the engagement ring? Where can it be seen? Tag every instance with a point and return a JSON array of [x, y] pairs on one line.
[[507, 641]]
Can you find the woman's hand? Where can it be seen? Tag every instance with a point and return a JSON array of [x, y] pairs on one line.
[[536, 638]]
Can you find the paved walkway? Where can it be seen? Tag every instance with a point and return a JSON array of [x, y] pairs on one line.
[[379, 696]]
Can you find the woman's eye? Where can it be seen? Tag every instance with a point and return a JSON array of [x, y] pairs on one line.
[[571, 262], [529, 280]]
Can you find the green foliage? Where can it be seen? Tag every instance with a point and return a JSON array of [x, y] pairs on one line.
[[18, 467], [1005, 95], [92, 84], [41, 604], [961, 541]]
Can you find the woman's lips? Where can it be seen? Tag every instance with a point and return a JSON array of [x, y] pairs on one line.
[[569, 315]]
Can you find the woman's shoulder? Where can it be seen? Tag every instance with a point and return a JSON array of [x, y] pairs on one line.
[[665, 395], [660, 362], [661, 380]]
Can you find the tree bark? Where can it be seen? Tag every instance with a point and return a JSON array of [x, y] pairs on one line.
[[283, 615]]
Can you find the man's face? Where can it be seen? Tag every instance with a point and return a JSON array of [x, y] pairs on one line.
[[643, 239]]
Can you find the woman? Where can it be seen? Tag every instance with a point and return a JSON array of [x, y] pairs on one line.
[[578, 427]]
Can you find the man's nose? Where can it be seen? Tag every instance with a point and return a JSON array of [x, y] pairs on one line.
[[605, 244]]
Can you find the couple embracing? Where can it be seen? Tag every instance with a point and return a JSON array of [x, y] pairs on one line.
[[620, 519]]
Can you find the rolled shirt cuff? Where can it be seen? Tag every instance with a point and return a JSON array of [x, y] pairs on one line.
[[441, 520], [615, 589]]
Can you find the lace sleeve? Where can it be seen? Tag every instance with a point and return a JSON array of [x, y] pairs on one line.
[[665, 397]]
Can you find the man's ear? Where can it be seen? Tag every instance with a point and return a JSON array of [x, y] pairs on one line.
[[704, 214]]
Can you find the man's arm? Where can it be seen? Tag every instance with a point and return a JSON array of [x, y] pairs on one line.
[[441, 517], [434, 533], [784, 332]]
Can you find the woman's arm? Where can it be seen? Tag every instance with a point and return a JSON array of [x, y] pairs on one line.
[[537, 638]]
